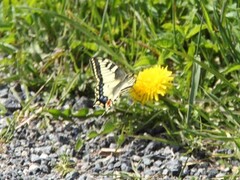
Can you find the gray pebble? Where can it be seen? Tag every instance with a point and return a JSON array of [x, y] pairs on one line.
[[212, 173], [193, 170], [149, 172], [200, 171], [64, 139], [113, 145], [84, 166], [155, 169], [44, 156], [53, 162], [53, 137], [185, 171], [204, 165], [12, 104], [111, 160], [33, 168], [86, 177], [126, 167], [152, 146], [158, 163], [44, 168], [117, 164], [64, 149], [146, 161], [35, 158], [4, 91], [98, 167], [25, 153], [110, 138], [24, 143], [53, 155], [86, 158], [140, 167], [136, 158], [110, 166], [46, 149], [183, 159], [72, 175], [167, 151], [18, 151], [82, 102], [174, 166], [165, 172]]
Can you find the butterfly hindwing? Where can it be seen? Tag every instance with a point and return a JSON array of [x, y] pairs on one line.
[[111, 81]]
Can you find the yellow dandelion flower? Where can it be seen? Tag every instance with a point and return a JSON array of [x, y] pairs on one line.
[[151, 83]]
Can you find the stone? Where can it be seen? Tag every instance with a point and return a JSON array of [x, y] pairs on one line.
[[155, 169], [146, 161], [4, 91], [136, 158], [113, 146], [126, 167], [64, 149], [140, 167], [46, 149], [152, 146], [117, 164], [174, 166], [110, 166], [12, 104], [165, 172], [44, 168], [158, 163], [72, 175], [33, 168], [212, 173], [35, 158], [167, 150], [149, 172], [200, 172], [18, 151], [98, 167], [44, 156], [24, 153]]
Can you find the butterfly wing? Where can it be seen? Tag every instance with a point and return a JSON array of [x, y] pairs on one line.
[[111, 81]]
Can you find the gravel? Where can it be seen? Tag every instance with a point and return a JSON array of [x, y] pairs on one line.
[[36, 152]]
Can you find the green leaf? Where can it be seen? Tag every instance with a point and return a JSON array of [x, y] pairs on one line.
[[108, 127], [234, 67], [54, 112], [79, 144], [66, 113], [196, 72], [59, 113], [3, 110], [144, 61], [81, 113], [195, 30], [98, 112], [121, 139], [92, 134]]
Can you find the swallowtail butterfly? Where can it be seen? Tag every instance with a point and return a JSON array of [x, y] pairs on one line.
[[111, 81]]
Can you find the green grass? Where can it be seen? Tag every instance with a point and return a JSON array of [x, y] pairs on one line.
[[65, 165], [46, 47]]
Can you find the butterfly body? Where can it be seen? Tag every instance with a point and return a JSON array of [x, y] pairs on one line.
[[111, 81]]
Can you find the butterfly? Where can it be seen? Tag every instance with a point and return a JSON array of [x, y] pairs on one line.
[[112, 81]]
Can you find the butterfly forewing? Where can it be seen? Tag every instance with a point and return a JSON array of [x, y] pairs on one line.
[[111, 81]]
